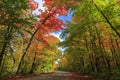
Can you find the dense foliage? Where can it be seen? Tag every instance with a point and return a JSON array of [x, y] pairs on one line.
[[26, 42], [92, 38]]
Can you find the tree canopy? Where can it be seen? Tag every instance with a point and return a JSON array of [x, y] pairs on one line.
[[92, 37]]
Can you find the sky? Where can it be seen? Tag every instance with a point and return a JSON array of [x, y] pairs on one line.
[[64, 19], [40, 6]]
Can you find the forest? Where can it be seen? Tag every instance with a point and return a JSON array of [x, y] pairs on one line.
[[90, 39]]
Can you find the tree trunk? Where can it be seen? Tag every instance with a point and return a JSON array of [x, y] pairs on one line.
[[29, 43], [33, 64], [6, 41], [91, 64], [93, 46], [114, 55], [102, 49]]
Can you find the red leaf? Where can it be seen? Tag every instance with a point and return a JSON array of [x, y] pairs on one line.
[[33, 5]]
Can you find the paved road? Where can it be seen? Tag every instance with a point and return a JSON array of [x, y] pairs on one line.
[[59, 75]]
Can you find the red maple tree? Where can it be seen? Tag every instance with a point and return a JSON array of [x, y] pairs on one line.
[[47, 22], [48, 19]]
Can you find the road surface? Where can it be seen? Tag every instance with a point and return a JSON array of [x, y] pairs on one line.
[[58, 75]]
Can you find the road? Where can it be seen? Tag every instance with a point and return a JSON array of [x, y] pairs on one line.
[[58, 75]]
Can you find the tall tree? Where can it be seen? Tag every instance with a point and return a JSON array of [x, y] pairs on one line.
[[48, 23], [11, 17], [93, 23]]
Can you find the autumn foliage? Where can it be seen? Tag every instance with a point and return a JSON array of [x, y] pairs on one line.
[[48, 19], [33, 5], [33, 32]]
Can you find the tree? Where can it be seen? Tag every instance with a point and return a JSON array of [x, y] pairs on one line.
[[92, 27], [11, 19], [48, 23]]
